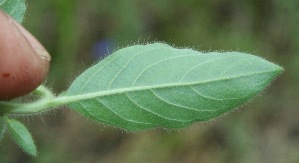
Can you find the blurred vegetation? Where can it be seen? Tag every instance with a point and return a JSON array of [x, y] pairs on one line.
[[266, 130]]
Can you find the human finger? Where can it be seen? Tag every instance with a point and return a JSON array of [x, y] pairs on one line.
[[24, 62]]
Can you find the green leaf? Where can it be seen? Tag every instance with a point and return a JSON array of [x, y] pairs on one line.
[[15, 8], [2, 128], [21, 136], [156, 85]]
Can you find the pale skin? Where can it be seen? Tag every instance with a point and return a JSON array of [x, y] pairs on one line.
[[24, 62]]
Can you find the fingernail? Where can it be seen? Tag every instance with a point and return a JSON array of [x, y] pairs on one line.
[[38, 47], [42, 53]]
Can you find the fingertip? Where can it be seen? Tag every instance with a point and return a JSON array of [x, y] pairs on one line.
[[35, 44], [24, 62]]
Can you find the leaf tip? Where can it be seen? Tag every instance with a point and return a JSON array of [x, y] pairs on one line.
[[278, 70], [33, 153]]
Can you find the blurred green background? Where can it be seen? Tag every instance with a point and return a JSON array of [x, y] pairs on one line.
[[75, 32]]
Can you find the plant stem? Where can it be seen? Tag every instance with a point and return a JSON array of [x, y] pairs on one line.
[[35, 107]]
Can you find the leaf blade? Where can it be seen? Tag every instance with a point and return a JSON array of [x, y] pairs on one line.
[[2, 128], [156, 85], [21, 136], [15, 8]]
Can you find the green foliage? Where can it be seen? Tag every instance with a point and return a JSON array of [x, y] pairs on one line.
[[156, 85], [164, 94], [2, 128], [21, 136], [15, 8]]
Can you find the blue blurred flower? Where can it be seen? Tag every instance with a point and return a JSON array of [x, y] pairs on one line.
[[102, 48]]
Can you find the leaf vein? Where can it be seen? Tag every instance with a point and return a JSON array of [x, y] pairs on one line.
[[154, 113], [200, 64], [177, 105], [232, 66], [3, 2], [109, 108], [156, 63], [168, 85], [15, 7], [95, 73], [211, 98], [139, 53]]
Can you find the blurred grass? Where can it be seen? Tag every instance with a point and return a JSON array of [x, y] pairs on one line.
[[265, 130]]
